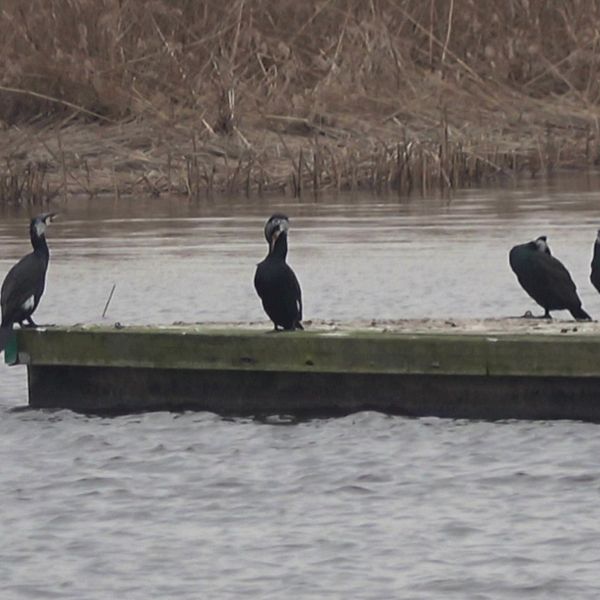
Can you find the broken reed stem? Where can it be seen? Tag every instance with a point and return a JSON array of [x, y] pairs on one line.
[[63, 165], [57, 101], [299, 176], [448, 31], [169, 181], [195, 174], [112, 291], [115, 185], [316, 168]]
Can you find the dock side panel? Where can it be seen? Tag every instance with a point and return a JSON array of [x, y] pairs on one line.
[[116, 390]]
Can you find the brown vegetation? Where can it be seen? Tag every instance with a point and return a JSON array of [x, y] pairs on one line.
[[200, 96]]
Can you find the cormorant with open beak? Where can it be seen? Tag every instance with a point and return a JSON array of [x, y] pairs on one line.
[[545, 278], [275, 281], [24, 284], [595, 274]]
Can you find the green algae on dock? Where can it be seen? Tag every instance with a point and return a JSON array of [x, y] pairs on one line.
[[482, 370]]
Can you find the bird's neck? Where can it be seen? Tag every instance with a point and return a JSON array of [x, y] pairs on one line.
[[40, 247], [279, 251], [596, 251]]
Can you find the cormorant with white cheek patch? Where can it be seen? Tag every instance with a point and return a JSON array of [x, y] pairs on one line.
[[24, 284], [545, 278], [275, 281]]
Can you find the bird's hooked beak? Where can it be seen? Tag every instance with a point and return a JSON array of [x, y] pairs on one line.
[[41, 222], [282, 227], [49, 217], [542, 244]]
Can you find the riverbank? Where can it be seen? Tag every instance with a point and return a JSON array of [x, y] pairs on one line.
[[287, 154], [197, 100]]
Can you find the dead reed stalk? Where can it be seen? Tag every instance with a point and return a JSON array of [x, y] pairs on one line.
[[287, 96]]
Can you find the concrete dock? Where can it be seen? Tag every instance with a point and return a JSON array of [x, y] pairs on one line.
[[504, 369]]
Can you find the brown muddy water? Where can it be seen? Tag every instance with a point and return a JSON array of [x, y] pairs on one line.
[[367, 506]]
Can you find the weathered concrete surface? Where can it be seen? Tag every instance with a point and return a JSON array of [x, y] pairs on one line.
[[548, 371]]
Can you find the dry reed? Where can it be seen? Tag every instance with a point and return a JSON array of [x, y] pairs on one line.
[[250, 96]]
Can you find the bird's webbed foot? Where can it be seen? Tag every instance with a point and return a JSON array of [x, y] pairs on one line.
[[529, 315]]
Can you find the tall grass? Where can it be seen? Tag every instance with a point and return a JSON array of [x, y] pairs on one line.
[[255, 94]]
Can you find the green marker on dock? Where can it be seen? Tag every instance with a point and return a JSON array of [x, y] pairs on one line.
[[10, 351]]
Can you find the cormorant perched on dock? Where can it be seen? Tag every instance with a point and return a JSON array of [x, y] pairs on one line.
[[545, 278], [24, 284], [595, 274], [275, 281]]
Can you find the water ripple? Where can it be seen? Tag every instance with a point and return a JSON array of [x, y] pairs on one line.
[[368, 506]]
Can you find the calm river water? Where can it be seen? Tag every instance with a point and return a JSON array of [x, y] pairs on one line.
[[367, 506]]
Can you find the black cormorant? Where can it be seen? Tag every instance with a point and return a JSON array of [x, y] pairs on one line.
[[275, 281], [24, 284], [595, 274], [545, 278]]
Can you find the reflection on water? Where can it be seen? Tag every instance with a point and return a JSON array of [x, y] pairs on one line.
[[193, 506]]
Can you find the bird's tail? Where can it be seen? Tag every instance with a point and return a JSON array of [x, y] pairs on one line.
[[580, 314], [5, 335]]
